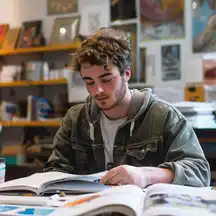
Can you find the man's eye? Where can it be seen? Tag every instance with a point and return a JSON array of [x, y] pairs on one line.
[[90, 83], [106, 80]]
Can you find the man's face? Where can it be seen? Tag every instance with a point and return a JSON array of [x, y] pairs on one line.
[[107, 87]]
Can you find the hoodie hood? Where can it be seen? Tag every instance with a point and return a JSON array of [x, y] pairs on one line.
[[139, 102]]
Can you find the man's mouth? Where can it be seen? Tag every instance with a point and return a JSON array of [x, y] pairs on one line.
[[101, 98]]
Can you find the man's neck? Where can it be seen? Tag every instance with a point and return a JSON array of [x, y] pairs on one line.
[[121, 110]]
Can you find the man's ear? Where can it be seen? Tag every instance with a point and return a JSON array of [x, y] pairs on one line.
[[127, 75]]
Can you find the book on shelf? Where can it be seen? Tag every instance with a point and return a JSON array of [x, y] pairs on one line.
[[54, 182], [125, 200]]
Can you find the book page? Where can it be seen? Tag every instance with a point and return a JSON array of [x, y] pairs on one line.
[[37, 180], [33, 181], [125, 199], [179, 200]]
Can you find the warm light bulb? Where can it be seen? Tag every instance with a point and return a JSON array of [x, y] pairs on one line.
[[62, 30]]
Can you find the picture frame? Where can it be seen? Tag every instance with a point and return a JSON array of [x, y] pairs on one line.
[[57, 7], [122, 10], [203, 20], [31, 31], [161, 20], [65, 30], [171, 62]]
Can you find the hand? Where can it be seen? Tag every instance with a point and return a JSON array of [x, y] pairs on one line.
[[126, 174]]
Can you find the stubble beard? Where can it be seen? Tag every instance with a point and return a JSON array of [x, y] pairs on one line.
[[119, 95]]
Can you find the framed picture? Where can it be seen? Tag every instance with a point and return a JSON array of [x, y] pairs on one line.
[[65, 30], [171, 62], [209, 71], [31, 31], [203, 29], [161, 19], [62, 6], [122, 10]]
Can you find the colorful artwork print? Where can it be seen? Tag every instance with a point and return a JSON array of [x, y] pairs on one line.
[[161, 19], [209, 71], [203, 26], [30, 34]]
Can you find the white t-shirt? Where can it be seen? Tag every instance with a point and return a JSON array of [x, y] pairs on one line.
[[109, 129]]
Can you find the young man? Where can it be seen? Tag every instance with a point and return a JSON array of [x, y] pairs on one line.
[[139, 138]]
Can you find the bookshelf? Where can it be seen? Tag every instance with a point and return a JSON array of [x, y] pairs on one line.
[[49, 48], [33, 83], [45, 123], [17, 90]]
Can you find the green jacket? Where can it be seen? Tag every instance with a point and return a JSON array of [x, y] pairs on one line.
[[155, 134]]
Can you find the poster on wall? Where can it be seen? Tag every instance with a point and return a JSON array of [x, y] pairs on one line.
[[171, 62], [203, 26], [56, 7], [162, 19], [93, 18], [209, 71]]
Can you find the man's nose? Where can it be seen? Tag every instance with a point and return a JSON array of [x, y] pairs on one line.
[[99, 89]]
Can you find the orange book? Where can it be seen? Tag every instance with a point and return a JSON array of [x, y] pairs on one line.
[[3, 31]]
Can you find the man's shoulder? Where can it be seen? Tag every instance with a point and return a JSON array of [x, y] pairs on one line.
[[160, 104], [168, 110], [75, 111], [76, 108], [171, 114]]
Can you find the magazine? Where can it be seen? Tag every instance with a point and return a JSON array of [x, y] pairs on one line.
[[54, 182], [130, 200]]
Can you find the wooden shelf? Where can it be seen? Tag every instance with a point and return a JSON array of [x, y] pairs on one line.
[[34, 83], [47, 123], [48, 48]]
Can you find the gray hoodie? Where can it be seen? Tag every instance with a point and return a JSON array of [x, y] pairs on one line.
[[154, 134]]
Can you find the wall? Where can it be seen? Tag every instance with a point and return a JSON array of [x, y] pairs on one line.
[[16, 11]]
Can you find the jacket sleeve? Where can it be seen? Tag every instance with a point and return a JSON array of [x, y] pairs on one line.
[[62, 157], [184, 154]]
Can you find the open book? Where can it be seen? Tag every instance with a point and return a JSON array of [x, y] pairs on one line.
[[156, 200], [54, 182], [127, 200]]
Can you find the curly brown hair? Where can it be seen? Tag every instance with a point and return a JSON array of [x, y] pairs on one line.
[[104, 45]]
